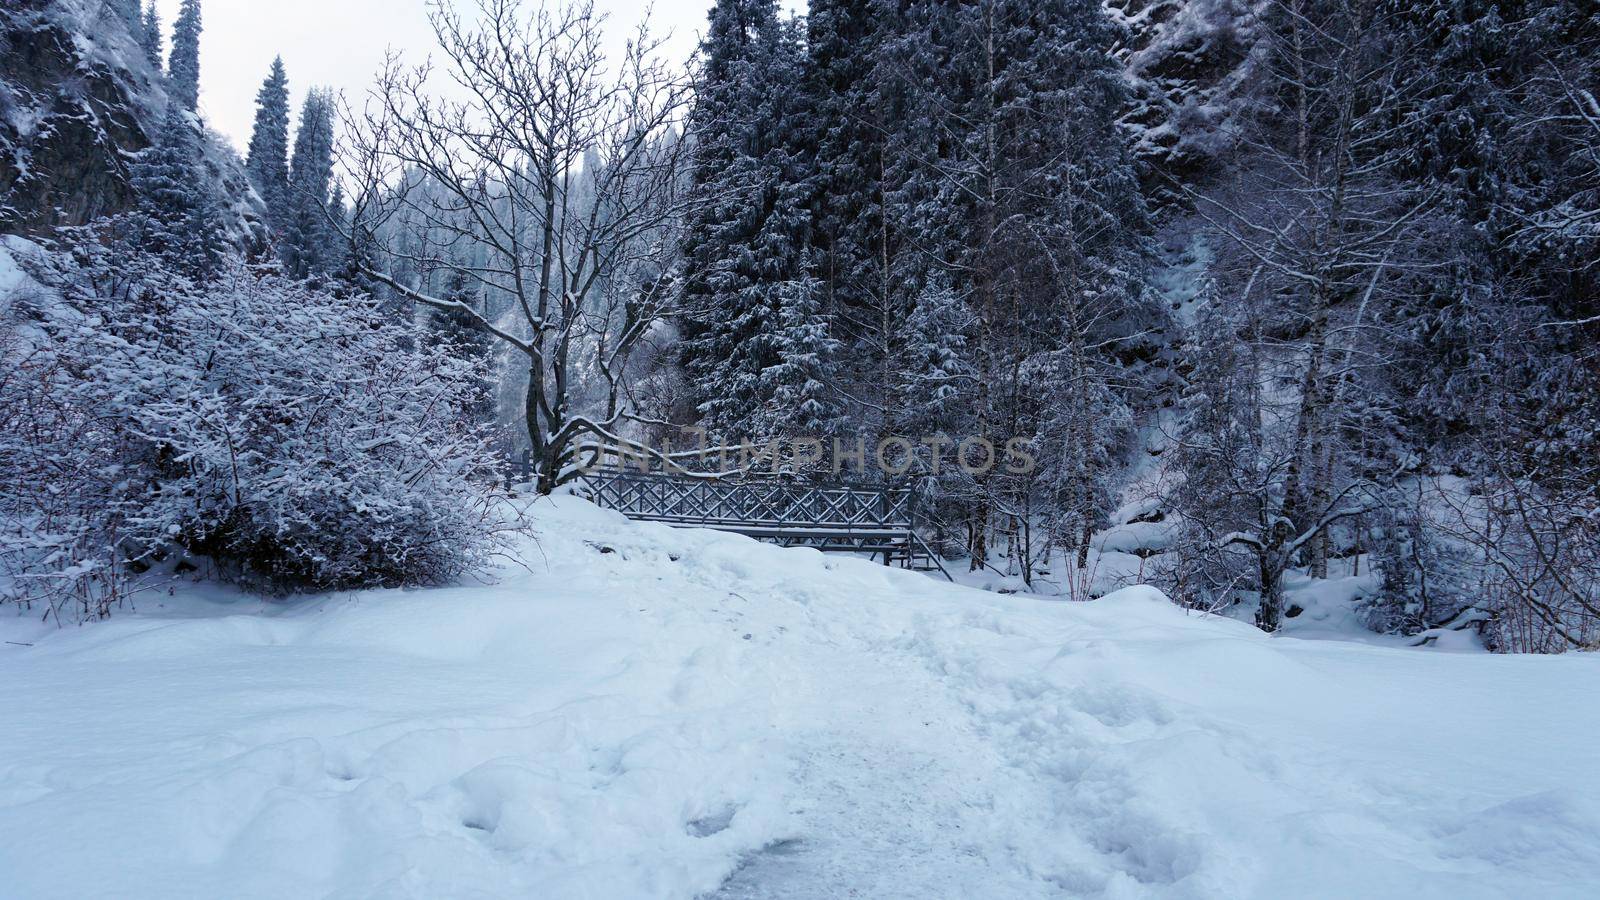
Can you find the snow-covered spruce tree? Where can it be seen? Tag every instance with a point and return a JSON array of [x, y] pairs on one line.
[[929, 390], [183, 64], [337, 258], [932, 373], [268, 161], [852, 92], [926, 310], [1222, 478], [150, 35], [1499, 352], [803, 403], [745, 247], [307, 240], [177, 214], [283, 432], [1079, 441]]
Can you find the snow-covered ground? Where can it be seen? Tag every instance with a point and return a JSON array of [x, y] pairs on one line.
[[646, 712]]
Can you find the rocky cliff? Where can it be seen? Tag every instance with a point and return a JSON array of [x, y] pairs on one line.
[[1189, 64], [77, 101]]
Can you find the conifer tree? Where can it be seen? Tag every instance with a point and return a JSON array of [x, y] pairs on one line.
[[802, 401], [183, 65], [933, 376], [857, 252], [1219, 457], [306, 243], [337, 251], [268, 160], [1009, 169], [177, 213], [745, 253], [150, 35]]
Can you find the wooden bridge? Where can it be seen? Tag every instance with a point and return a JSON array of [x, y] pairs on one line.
[[879, 521]]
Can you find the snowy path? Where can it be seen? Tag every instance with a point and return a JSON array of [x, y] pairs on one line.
[[883, 809], [659, 713]]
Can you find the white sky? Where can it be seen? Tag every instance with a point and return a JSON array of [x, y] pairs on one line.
[[340, 44]]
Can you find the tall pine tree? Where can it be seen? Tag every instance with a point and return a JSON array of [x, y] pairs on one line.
[[150, 35], [745, 252], [183, 65], [268, 160], [1011, 173], [858, 254], [306, 242], [177, 212]]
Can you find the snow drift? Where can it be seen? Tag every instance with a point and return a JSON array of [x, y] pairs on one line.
[[648, 712]]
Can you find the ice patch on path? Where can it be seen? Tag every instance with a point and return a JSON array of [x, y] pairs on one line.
[[652, 712]]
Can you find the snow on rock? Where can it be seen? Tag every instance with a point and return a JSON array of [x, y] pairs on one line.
[[12, 278], [1327, 606], [1136, 538], [649, 712]]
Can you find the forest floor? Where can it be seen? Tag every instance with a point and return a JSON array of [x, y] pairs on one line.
[[646, 712]]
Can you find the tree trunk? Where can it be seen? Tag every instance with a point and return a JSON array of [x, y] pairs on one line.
[[1269, 614]]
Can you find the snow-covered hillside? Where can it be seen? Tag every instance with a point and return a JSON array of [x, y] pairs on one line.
[[644, 712]]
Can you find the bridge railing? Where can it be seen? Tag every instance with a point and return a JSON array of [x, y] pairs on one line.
[[871, 519], [754, 502]]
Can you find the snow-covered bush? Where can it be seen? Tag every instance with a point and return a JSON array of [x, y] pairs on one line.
[[60, 478], [1537, 563], [293, 436]]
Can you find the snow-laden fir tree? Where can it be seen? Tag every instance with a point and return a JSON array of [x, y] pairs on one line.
[[933, 375], [1221, 480], [183, 64], [337, 251], [745, 251], [150, 35], [268, 159], [803, 403], [852, 94], [1015, 179], [178, 213], [307, 240]]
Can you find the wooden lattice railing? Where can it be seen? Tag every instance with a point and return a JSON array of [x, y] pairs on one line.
[[828, 516], [753, 502]]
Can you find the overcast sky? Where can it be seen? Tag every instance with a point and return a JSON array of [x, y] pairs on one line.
[[340, 44]]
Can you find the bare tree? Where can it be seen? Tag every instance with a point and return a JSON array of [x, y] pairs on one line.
[[553, 182], [1328, 230], [1235, 451]]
